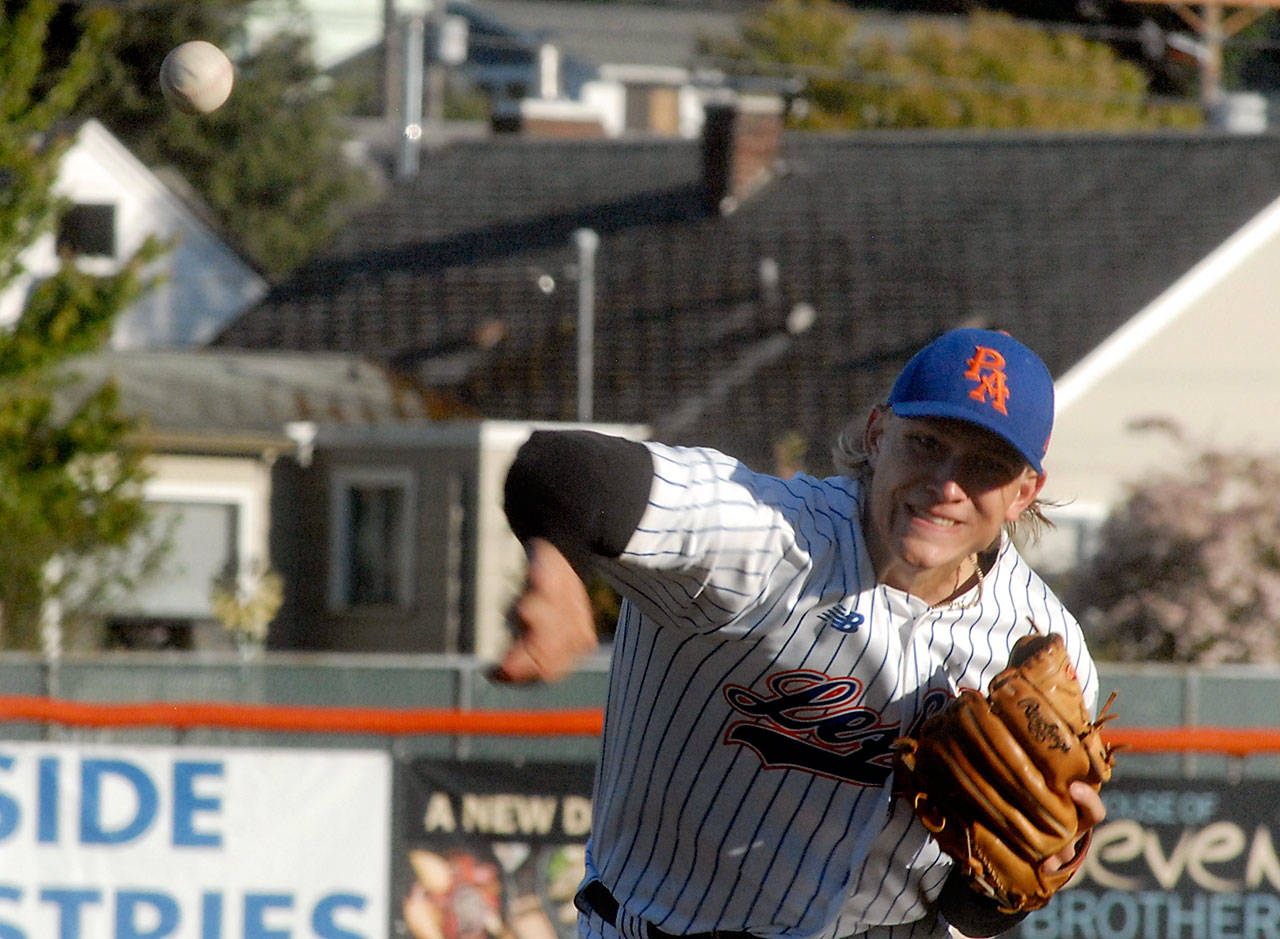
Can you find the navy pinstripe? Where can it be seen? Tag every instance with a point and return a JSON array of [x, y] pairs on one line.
[[759, 676]]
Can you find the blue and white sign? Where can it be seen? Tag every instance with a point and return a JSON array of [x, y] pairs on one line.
[[106, 842]]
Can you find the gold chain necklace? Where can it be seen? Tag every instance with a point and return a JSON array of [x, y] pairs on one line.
[[977, 591]]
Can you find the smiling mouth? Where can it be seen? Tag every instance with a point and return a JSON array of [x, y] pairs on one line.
[[925, 515]]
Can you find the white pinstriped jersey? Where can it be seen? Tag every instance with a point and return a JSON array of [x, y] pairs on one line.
[[759, 678]]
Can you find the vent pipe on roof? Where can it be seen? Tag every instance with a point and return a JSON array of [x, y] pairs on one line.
[[548, 72], [587, 241], [411, 134], [1238, 113]]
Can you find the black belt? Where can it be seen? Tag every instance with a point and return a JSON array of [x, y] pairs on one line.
[[596, 898]]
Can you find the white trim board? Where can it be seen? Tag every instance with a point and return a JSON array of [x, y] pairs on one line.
[[1109, 355]]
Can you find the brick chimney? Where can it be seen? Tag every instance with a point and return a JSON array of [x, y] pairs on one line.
[[741, 142]]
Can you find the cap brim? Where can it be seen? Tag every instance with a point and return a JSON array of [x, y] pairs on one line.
[[947, 410]]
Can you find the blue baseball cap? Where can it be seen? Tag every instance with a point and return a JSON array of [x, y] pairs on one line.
[[984, 377]]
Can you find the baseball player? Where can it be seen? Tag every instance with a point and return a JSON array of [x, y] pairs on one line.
[[776, 637]]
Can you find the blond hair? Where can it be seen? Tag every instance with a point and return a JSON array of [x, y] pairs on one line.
[[851, 459]]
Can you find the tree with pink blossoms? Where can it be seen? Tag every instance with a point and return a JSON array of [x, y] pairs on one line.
[[1188, 567]]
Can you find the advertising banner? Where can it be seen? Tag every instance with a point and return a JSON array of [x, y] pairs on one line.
[[111, 842], [490, 850], [1182, 859]]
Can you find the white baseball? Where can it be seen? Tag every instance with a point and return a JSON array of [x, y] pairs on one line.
[[196, 77]]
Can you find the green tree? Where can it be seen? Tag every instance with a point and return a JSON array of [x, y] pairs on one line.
[[1188, 566], [69, 482], [986, 70], [269, 162]]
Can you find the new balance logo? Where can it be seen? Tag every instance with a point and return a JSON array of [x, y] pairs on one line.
[[987, 369], [839, 618]]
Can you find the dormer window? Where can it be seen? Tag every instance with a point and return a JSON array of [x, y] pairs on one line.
[[88, 230]]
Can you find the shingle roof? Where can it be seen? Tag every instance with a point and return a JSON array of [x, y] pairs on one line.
[[247, 396], [615, 33], [464, 276]]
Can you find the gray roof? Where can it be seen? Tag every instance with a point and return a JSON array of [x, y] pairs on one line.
[[464, 276], [614, 33], [659, 34], [250, 396]]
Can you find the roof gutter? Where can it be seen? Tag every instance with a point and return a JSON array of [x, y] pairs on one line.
[[263, 446]]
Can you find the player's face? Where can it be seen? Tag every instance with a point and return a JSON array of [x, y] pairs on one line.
[[940, 492]]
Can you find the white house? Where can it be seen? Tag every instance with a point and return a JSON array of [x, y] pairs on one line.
[[116, 203], [380, 512], [1202, 359]]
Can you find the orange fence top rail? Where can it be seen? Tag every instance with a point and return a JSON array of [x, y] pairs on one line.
[[187, 715], [1233, 741]]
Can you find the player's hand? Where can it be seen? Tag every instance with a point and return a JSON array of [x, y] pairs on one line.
[[974, 915], [552, 618], [1091, 810]]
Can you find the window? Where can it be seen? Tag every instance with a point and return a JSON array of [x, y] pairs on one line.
[[371, 538], [373, 522], [652, 109], [88, 230], [203, 539]]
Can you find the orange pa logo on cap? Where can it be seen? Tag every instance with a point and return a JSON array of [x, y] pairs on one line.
[[987, 369], [985, 377]]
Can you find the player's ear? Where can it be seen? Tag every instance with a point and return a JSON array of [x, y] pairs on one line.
[[873, 434], [1029, 484]]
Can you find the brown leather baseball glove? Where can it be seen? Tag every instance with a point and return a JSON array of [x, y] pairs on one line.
[[989, 776]]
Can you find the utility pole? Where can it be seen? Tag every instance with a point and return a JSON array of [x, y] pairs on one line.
[[587, 242], [392, 68], [436, 70], [1215, 22]]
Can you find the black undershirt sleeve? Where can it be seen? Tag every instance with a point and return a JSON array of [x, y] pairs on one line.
[[583, 491], [970, 912]]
